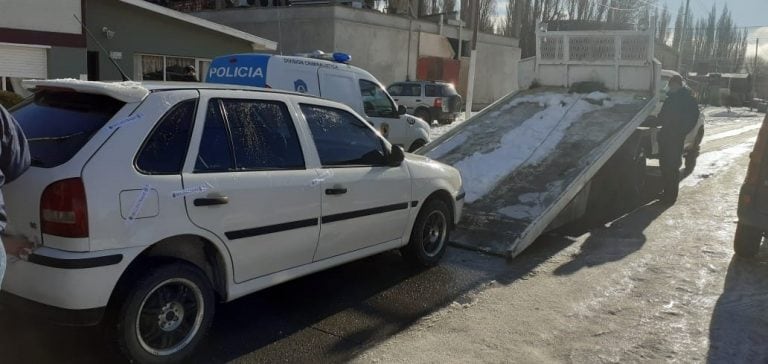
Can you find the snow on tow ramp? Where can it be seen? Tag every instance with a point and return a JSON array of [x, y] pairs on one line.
[[531, 142]]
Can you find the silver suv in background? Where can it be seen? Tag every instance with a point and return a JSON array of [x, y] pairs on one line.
[[429, 100]]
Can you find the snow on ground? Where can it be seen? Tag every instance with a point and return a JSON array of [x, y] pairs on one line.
[[528, 143], [719, 114], [710, 163], [730, 133]]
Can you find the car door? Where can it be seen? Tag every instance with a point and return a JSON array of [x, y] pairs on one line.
[[365, 202], [406, 94], [246, 181]]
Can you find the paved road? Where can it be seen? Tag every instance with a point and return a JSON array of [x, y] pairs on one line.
[[558, 292]]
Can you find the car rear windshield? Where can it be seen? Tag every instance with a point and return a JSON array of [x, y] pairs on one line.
[[57, 124]]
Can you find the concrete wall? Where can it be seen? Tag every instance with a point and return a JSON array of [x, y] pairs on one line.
[[526, 73], [145, 32], [64, 62], [47, 16], [378, 43]]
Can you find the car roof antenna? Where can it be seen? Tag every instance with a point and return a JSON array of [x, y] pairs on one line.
[[122, 74]]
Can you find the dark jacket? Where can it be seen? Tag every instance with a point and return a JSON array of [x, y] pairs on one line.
[[678, 116], [14, 155]]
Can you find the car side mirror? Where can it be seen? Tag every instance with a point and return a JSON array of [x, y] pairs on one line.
[[401, 110], [396, 156]]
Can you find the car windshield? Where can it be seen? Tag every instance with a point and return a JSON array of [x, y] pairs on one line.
[[58, 124]]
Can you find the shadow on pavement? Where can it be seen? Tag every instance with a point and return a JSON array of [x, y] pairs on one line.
[[739, 325], [329, 316], [615, 242]]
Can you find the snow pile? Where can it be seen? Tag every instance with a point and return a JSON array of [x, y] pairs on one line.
[[531, 142], [723, 112], [127, 91], [710, 163]]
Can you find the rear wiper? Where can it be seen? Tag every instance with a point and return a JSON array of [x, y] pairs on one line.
[[56, 138]]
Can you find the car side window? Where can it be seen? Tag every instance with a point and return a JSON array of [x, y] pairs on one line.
[[342, 139], [396, 90], [376, 102], [415, 90], [215, 153], [165, 149], [432, 91], [263, 135]]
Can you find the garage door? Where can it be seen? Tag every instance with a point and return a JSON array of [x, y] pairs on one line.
[[23, 61]]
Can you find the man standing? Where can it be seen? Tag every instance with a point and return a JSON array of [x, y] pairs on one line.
[[14, 160], [678, 116]]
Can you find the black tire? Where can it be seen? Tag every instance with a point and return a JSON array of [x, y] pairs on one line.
[[424, 114], [447, 121], [418, 143], [430, 235], [173, 291], [746, 242]]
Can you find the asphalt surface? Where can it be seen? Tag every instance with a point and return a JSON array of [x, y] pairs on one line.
[[367, 309]]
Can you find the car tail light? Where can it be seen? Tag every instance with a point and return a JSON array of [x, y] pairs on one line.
[[63, 209], [438, 103]]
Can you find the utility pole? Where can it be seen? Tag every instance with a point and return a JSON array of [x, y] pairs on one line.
[[754, 69], [473, 58], [680, 46], [461, 27]]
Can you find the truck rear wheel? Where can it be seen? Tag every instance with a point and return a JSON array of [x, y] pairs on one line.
[[746, 242]]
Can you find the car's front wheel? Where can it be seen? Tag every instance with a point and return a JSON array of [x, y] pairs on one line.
[[429, 237], [166, 314]]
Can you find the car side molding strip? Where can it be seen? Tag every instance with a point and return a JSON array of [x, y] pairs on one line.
[[271, 229]]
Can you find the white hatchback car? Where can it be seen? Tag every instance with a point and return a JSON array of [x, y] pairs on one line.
[[146, 203]]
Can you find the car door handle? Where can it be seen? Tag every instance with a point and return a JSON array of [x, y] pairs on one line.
[[211, 201], [418, 100], [335, 191]]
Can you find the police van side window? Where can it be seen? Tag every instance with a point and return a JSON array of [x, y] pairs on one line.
[[376, 102], [342, 139]]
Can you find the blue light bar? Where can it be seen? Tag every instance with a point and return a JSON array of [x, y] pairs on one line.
[[341, 57]]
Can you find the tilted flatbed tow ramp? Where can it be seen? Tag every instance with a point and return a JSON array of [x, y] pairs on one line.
[[527, 156]]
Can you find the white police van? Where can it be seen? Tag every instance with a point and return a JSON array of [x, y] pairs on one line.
[[327, 76]]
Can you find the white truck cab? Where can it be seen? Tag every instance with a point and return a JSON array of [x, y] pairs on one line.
[[330, 78]]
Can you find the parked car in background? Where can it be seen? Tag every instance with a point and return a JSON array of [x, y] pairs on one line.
[[753, 199], [759, 105], [327, 76], [148, 203], [429, 100]]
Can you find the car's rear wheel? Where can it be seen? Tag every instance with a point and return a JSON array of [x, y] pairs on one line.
[[166, 314], [430, 234], [746, 242]]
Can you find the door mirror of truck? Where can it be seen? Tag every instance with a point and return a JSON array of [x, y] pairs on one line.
[[401, 110], [396, 156]]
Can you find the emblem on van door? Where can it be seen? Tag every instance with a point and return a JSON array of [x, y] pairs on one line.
[[384, 130], [300, 86]]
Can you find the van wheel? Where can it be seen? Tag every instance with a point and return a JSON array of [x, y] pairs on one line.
[[747, 241], [416, 145], [424, 114], [166, 314], [429, 237]]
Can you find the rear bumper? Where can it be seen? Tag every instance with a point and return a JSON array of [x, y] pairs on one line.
[[86, 317], [439, 114], [65, 287]]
